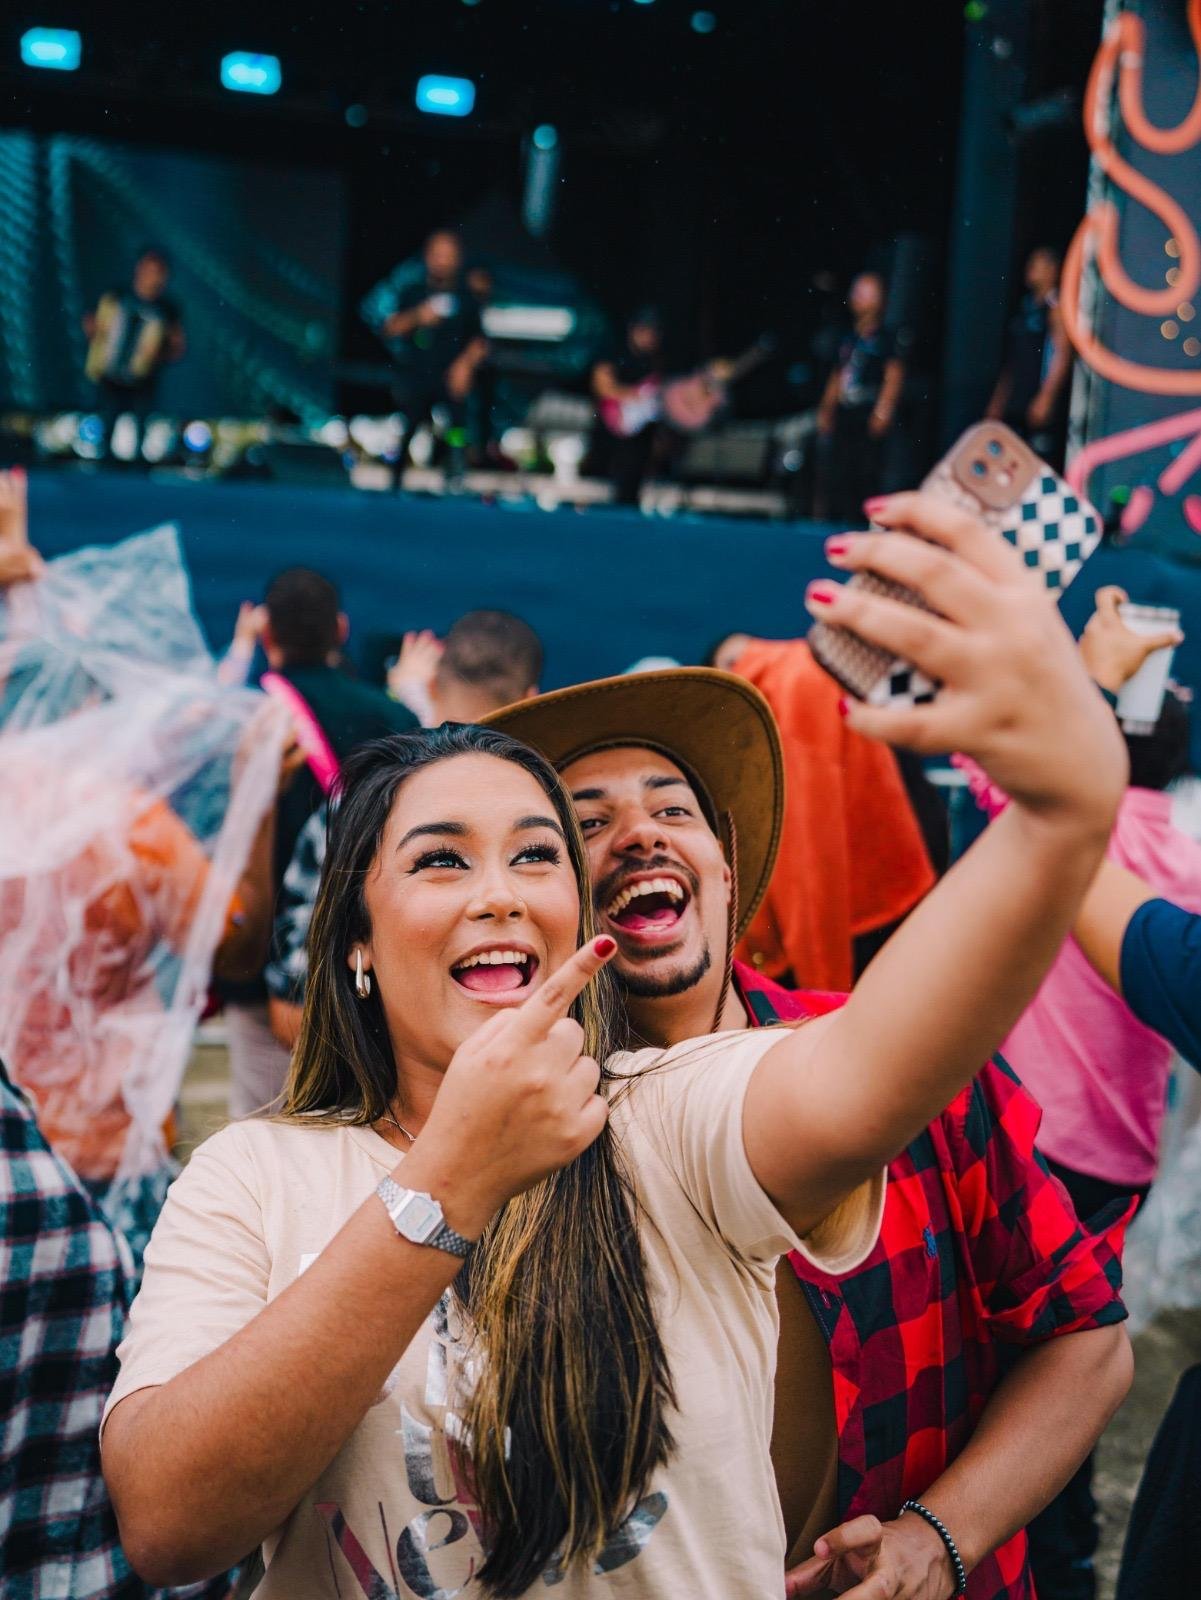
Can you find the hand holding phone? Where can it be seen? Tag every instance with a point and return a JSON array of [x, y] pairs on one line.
[[997, 478], [1015, 694]]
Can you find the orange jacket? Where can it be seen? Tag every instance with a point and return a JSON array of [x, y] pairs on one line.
[[851, 854]]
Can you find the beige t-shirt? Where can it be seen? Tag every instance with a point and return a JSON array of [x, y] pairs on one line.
[[259, 1200]]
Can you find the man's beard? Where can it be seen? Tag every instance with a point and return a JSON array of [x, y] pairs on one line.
[[649, 988]]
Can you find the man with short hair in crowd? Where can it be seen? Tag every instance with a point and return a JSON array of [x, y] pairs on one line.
[[302, 635], [488, 659], [977, 1354]]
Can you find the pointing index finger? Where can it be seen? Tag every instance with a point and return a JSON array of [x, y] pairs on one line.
[[557, 995]]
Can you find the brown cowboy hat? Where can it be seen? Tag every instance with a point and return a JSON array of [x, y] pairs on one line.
[[717, 727]]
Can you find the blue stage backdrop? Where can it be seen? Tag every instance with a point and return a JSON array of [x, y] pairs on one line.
[[603, 588]]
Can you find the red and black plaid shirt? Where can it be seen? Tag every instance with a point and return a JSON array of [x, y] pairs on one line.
[[980, 1255]]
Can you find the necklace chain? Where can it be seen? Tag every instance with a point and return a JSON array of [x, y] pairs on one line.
[[401, 1127]]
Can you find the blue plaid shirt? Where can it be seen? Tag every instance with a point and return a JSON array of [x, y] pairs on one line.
[[64, 1278], [62, 1310]]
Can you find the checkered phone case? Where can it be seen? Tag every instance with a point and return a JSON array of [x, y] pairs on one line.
[[1048, 522]]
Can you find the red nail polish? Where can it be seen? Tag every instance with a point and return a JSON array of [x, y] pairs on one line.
[[837, 547], [876, 503], [604, 946], [844, 706], [821, 596]]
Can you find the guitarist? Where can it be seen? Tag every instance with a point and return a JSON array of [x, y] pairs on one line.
[[630, 376], [133, 333]]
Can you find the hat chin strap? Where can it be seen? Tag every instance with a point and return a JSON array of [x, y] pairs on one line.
[[730, 842]]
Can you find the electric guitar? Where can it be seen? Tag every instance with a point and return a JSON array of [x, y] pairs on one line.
[[690, 403]]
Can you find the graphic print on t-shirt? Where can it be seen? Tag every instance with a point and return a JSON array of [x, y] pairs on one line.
[[434, 1468]]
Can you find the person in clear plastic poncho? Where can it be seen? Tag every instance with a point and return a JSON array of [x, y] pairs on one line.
[[136, 794]]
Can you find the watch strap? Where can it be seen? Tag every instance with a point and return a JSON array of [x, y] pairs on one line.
[[443, 1238]]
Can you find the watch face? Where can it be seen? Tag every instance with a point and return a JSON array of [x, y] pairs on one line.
[[418, 1217]]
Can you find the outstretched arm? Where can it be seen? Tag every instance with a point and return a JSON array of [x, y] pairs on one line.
[[836, 1099]]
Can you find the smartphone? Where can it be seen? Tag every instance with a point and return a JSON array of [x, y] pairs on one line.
[[996, 476]]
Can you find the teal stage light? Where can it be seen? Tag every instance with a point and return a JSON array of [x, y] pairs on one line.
[[59, 49], [247, 73], [545, 137], [445, 97]]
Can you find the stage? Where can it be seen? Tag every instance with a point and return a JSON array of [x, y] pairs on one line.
[[603, 587]]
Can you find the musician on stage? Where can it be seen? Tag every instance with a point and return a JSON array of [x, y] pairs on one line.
[[439, 346], [858, 410], [1032, 392], [627, 385], [133, 333]]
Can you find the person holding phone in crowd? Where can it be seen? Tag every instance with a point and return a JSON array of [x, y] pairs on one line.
[[453, 894]]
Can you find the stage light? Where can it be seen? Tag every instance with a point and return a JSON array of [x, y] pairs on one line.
[[703, 22], [247, 73], [445, 97], [197, 437], [60, 49], [356, 116], [545, 137]]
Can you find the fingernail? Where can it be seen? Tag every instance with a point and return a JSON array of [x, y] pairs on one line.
[[18, 473], [876, 503], [821, 1548], [604, 946], [844, 706], [837, 546], [821, 594]]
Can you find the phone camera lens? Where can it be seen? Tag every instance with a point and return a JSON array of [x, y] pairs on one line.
[[980, 468]]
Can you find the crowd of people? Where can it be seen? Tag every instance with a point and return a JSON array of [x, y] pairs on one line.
[[652, 1165]]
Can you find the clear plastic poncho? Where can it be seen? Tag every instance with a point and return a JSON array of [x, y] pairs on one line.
[[131, 788]]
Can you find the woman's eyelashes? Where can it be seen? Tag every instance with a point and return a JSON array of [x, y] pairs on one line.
[[445, 859]]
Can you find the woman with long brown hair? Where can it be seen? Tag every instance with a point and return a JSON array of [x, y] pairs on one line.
[[476, 1315]]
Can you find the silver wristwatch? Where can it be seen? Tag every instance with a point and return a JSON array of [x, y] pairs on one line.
[[418, 1218]]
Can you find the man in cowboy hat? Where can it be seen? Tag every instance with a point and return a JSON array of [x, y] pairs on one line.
[[677, 781]]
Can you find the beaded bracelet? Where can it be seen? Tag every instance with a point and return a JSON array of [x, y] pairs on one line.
[[952, 1548]]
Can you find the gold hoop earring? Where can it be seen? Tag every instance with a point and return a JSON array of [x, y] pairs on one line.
[[362, 980]]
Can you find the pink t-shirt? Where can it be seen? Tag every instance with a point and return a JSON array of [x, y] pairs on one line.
[[1098, 1072]]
